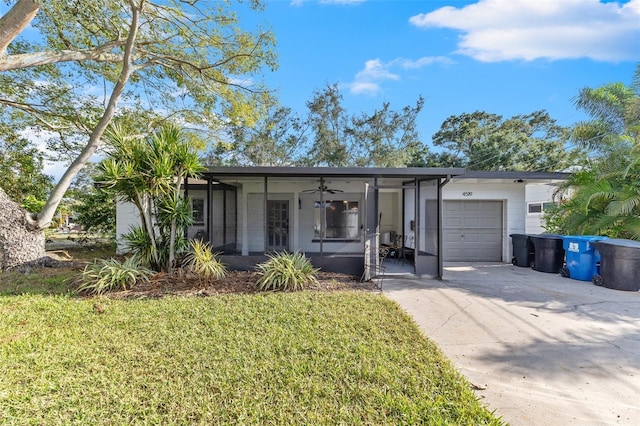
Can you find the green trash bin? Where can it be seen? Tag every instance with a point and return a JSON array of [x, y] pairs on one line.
[[523, 250]]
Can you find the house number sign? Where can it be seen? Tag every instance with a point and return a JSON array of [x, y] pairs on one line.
[[467, 194]]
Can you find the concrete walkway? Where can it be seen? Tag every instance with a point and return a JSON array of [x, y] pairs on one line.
[[540, 349]]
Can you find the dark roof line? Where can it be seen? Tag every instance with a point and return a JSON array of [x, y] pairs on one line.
[[404, 172], [401, 172], [484, 174]]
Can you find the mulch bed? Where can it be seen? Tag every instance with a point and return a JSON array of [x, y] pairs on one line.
[[243, 282]]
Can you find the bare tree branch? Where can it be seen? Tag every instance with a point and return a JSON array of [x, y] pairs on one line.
[[26, 60]]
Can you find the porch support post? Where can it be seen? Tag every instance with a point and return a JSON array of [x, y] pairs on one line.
[[266, 216], [376, 200], [224, 220], [440, 248], [185, 232], [209, 208], [323, 218], [416, 215]]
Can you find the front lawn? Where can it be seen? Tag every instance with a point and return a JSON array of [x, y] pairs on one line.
[[278, 358]]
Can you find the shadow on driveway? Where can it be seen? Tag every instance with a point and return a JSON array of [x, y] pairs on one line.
[[548, 350]]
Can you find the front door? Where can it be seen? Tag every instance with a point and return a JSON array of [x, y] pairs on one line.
[[278, 225]]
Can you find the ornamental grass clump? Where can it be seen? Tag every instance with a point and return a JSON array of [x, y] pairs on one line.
[[109, 274], [203, 262], [286, 271]]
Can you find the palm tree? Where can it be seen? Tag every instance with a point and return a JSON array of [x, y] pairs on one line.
[[606, 195], [148, 171]]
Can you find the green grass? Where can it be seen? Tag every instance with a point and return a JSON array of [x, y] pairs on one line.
[[285, 358], [46, 281], [92, 249]]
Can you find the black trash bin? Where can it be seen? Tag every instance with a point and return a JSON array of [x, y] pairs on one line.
[[523, 250], [549, 253], [619, 264]]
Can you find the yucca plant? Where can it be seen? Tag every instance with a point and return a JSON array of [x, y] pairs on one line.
[[286, 271], [108, 274], [204, 262]]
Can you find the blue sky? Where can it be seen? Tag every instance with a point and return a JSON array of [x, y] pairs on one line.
[[501, 56], [505, 57]]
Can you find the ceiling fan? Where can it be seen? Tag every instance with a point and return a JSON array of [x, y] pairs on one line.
[[323, 189]]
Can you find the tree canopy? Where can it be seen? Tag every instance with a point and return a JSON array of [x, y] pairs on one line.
[[328, 135], [484, 141], [21, 165], [82, 63]]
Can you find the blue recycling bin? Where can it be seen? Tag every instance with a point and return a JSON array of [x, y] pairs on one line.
[[581, 256]]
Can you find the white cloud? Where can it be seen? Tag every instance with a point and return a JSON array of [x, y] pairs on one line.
[[375, 72], [498, 30]]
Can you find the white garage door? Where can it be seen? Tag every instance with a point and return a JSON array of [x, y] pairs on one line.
[[472, 231]]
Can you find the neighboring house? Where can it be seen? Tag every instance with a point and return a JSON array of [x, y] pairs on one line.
[[540, 197], [340, 217]]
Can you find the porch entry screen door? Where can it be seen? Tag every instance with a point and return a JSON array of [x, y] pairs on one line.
[[372, 232], [278, 225]]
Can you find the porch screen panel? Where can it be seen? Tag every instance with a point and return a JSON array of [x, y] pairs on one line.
[[217, 220], [427, 229], [231, 221], [429, 217], [255, 223]]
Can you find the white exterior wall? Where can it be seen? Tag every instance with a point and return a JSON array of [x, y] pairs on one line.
[[510, 193], [127, 216], [537, 193]]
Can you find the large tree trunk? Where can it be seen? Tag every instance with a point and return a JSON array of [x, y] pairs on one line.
[[16, 20], [46, 215], [21, 243]]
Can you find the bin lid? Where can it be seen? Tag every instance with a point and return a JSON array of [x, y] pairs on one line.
[[619, 248], [588, 238], [620, 242], [547, 236]]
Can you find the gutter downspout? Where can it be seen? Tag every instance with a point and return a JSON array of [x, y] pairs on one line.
[[440, 248]]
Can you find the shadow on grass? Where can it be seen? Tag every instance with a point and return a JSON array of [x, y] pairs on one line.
[[41, 281], [49, 281]]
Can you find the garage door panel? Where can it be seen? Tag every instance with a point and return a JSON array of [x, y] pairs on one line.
[[494, 222], [472, 231], [453, 222]]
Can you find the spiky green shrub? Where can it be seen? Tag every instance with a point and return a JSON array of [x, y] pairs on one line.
[[108, 274], [286, 271], [203, 262]]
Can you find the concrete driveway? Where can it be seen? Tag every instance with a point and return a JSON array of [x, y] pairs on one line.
[[540, 349]]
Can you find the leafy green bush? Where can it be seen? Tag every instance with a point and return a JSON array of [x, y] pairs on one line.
[[286, 271], [104, 275], [203, 262]]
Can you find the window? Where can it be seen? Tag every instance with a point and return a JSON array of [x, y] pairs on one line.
[[538, 208], [341, 219], [535, 208], [197, 211]]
